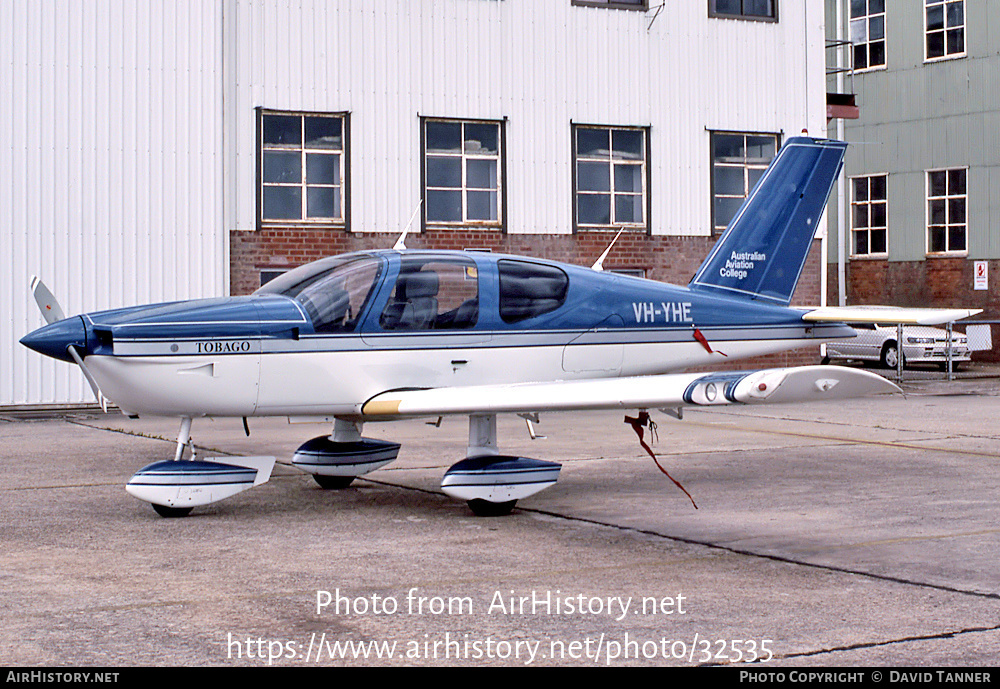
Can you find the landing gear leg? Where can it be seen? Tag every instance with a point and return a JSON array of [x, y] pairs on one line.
[[183, 440]]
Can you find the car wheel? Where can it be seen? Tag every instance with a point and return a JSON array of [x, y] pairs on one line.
[[890, 354]]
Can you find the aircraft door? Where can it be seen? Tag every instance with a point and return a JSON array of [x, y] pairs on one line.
[[596, 350]]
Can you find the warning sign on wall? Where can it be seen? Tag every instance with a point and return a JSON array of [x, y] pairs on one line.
[[981, 280]]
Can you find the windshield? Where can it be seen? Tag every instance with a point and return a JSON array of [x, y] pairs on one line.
[[333, 291]]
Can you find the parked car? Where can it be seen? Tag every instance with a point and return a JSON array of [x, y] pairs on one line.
[[921, 344]]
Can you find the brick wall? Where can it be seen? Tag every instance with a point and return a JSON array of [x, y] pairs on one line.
[[667, 259]]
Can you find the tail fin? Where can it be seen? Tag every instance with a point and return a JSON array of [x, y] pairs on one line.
[[762, 252]]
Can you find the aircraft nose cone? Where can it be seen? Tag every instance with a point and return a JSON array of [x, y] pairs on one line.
[[53, 339]]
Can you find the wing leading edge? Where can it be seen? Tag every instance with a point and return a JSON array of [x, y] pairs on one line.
[[887, 315], [800, 384]]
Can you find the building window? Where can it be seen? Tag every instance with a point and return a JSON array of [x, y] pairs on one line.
[[744, 9], [868, 215], [868, 33], [303, 165], [945, 28], [946, 210], [738, 163], [614, 4], [609, 165], [463, 172]]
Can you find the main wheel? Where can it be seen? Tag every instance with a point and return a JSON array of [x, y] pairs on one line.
[[171, 512], [890, 355], [485, 508], [331, 482]]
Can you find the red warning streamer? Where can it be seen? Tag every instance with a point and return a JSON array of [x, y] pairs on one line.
[[637, 425]]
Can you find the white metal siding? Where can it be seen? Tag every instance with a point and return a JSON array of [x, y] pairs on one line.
[[131, 145], [110, 165]]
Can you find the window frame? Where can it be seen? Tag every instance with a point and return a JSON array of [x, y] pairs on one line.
[[777, 136], [501, 178], [715, 14], [947, 198], [867, 43], [928, 4], [645, 168], [343, 222], [867, 203]]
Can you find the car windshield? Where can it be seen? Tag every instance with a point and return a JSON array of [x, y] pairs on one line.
[[333, 291]]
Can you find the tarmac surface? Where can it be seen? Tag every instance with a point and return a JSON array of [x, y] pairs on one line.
[[862, 533]]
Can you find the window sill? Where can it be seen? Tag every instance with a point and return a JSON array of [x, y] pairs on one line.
[[947, 254], [945, 58], [869, 257]]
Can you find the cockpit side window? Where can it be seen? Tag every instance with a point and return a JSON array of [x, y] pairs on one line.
[[433, 295], [530, 289], [333, 293]]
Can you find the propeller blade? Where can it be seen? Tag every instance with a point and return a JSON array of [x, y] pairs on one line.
[[101, 399], [47, 304]]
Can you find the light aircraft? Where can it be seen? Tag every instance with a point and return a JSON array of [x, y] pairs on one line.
[[384, 335]]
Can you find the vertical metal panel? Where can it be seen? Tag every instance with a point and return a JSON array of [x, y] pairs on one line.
[[112, 166]]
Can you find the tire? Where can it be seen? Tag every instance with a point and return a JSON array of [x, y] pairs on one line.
[[333, 482], [171, 512], [889, 354], [485, 508]]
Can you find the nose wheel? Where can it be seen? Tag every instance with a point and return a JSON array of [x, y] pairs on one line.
[[485, 508]]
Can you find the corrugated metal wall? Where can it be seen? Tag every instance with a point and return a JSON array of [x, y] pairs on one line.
[[110, 166], [130, 152], [918, 116]]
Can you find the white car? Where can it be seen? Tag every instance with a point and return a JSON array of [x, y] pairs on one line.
[[921, 344]]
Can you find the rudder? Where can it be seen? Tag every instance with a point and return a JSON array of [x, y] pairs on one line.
[[764, 249]]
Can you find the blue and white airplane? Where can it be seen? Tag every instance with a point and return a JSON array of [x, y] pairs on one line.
[[384, 335]]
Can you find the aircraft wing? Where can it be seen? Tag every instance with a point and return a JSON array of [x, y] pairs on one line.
[[887, 315], [800, 384]]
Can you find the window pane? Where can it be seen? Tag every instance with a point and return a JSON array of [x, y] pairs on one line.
[[760, 149], [444, 137], [956, 14], [878, 187], [728, 148], [628, 208], [956, 41], [935, 18], [323, 132], [594, 209], [283, 130], [628, 178], [482, 138], [758, 8], [859, 31], [482, 205], [725, 209], [937, 212], [861, 242], [861, 189], [282, 203], [322, 168], [444, 171], [956, 182], [861, 216], [956, 210], [593, 143], [858, 8], [729, 180], [481, 174], [878, 241], [444, 206], [282, 168], [956, 238], [878, 214], [627, 144], [876, 27], [937, 183], [593, 176], [938, 239], [753, 176], [876, 6], [322, 202], [935, 44]]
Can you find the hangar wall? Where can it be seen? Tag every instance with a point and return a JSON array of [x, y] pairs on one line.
[[133, 156]]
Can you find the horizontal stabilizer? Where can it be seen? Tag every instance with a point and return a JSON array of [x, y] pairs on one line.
[[889, 315], [800, 384]]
